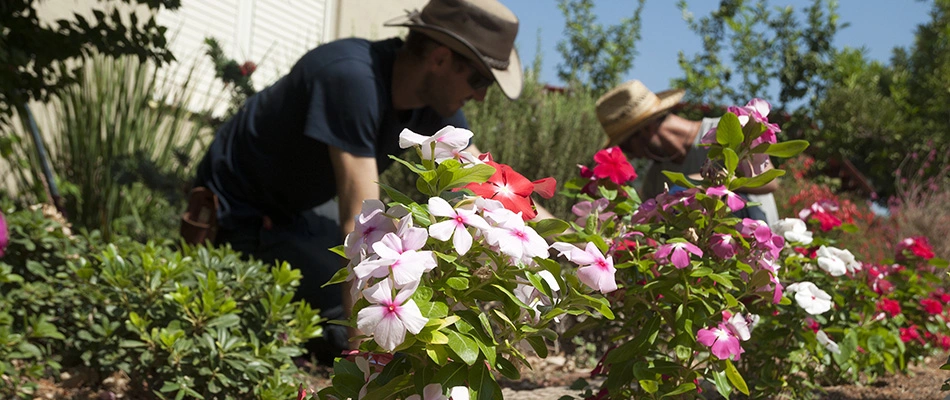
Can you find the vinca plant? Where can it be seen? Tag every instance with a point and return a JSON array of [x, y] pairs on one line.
[[451, 291]]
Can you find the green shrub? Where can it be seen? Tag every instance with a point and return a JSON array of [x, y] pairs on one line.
[[199, 322], [543, 133], [121, 124]]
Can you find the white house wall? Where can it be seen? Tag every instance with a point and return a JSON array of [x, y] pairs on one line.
[[271, 33]]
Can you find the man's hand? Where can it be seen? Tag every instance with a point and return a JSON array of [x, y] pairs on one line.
[[356, 179]]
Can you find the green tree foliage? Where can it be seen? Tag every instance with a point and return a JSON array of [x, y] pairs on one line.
[[748, 47], [31, 52], [594, 55]]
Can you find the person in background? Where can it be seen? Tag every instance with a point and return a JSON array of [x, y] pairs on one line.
[[641, 124], [285, 177]]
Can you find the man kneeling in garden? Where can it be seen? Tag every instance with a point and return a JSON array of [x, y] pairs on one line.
[[319, 137], [641, 124]]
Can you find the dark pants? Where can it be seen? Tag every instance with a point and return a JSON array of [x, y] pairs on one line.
[[304, 244]]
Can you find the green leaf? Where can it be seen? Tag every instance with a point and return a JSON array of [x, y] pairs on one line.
[[450, 178], [550, 227], [729, 131], [463, 346], [787, 149], [732, 159], [735, 378], [507, 369], [679, 179], [451, 375], [757, 181], [650, 386], [481, 381], [722, 384], [225, 321], [395, 194], [682, 388], [339, 277], [457, 283], [537, 343], [939, 262]]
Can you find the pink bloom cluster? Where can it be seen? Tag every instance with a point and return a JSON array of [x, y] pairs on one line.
[[755, 110], [723, 340]]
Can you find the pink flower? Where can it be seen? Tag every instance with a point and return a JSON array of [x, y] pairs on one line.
[[456, 226], [722, 342], [585, 208], [679, 250], [388, 317], [613, 164], [596, 271], [371, 224], [943, 342], [931, 306], [399, 253], [732, 200], [723, 246]]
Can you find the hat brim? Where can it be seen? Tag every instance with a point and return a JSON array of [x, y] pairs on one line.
[[667, 99], [510, 80]]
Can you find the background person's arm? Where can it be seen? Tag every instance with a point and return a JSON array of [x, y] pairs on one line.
[[356, 180]]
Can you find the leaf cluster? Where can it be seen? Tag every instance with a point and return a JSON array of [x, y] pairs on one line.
[[196, 323]]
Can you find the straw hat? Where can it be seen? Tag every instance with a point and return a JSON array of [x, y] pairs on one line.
[[628, 107], [481, 30]]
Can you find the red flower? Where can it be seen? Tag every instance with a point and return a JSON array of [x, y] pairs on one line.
[[807, 252], [892, 307], [248, 68], [512, 189], [918, 246], [943, 342], [908, 334], [613, 164], [931, 306], [813, 325], [827, 221]]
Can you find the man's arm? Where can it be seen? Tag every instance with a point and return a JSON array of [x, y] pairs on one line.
[[356, 179]]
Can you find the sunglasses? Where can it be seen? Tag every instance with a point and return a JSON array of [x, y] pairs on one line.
[[476, 80]]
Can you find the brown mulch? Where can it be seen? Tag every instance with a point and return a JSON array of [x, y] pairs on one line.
[[549, 379]]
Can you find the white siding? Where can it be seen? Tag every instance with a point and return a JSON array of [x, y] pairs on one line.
[[271, 33]]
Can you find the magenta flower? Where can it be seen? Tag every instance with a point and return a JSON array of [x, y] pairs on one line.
[[723, 246], [721, 341], [612, 164], [680, 253], [756, 229], [732, 200]]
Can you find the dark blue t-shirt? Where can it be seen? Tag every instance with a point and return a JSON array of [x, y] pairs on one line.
[[272, 159]]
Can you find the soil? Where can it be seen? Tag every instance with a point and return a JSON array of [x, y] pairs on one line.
[[550, 379]]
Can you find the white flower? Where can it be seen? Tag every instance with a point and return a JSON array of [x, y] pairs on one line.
[[449, 143], [836, 261], [793, 230], [827, 342], [433, 391], [533, 297], [809, 297]]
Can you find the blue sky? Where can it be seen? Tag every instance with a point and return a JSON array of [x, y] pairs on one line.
[[876, 25]]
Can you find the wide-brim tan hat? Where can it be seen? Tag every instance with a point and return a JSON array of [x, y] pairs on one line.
[[628, 107], [480, 30]]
